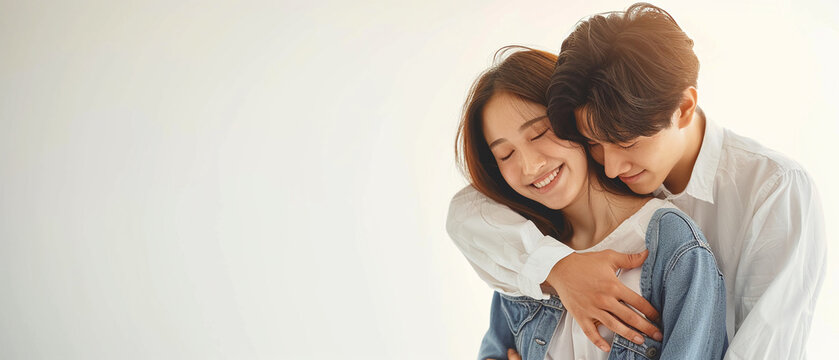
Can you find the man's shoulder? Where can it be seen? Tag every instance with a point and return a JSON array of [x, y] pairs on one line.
[[747, 151], [761, 169]]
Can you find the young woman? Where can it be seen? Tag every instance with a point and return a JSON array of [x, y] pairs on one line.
[[510, 154]]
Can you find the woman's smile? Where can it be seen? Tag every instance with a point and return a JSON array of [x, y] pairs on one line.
[[548, 181]]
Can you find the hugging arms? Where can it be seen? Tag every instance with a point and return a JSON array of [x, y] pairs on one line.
[[623, 86]]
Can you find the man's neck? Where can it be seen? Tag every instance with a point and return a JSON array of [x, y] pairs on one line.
[[679, 177]]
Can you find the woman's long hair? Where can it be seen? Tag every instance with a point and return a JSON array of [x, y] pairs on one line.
[[525, 73]]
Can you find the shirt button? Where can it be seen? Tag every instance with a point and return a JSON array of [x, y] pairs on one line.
[[652, 352], [539, 341]]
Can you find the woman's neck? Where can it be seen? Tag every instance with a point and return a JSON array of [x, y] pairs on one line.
[[596, 213]]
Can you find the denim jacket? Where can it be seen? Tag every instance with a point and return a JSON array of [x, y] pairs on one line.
[[680, 278]]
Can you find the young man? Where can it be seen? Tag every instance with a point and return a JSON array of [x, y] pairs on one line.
[[625, 84]]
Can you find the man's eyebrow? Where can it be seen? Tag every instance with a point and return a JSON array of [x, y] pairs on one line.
[[523, 127]]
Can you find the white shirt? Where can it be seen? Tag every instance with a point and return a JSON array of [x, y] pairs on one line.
[[569, 341], [760, 212]]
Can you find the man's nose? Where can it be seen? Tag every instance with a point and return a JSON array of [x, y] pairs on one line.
[[614, 163]]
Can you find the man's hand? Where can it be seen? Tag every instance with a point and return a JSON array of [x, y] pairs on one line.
[[592, 294]]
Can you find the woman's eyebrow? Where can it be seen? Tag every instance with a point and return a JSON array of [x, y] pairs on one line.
[[531, 122], [523, 127]]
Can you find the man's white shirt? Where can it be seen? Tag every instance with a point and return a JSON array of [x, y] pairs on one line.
[[760, 212]]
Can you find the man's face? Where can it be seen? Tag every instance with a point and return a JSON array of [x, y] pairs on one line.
[[643, 163]]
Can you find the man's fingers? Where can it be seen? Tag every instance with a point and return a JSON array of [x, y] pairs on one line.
[[633, 319], [590, 329], [600, 296], [629, 261], [621, 329], [639, 303]]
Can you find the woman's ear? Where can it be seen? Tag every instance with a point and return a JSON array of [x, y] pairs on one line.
[[687, 107]]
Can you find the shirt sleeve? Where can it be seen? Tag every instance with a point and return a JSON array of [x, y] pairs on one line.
[[506, 250], [781, 272]]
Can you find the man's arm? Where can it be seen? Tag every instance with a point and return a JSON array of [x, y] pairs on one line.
[[512, 256], [780, 273], [506, 250]]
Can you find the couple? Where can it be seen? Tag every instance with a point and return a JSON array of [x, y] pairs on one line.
[[599, 162]]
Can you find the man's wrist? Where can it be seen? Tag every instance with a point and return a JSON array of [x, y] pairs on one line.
[[559, 268]]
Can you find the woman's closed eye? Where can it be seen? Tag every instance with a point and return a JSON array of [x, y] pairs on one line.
[[541, 134], [508, 156]]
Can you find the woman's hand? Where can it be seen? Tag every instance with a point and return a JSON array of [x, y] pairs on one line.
[[511, 355], [592, 294]]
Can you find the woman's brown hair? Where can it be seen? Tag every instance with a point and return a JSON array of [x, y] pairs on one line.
[[525, 73]]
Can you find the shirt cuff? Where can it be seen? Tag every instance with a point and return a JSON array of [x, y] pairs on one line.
[[539, 264]]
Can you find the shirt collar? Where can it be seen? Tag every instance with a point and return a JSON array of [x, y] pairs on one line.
[[701, 183]]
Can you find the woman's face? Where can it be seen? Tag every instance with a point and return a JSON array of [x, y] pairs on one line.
[[533, 161]]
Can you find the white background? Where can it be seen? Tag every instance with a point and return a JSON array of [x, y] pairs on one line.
[[205, 180]]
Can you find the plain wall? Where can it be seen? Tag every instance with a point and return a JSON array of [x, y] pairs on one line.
[[209, 180]]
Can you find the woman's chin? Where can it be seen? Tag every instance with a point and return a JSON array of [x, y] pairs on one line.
[[553, 203]]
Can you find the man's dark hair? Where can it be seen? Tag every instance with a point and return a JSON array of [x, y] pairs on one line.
[[628, 70]]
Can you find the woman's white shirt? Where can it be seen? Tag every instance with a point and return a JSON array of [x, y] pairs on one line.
[[569, 341]]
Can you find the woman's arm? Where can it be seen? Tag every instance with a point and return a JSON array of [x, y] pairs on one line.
[[498, 339], [688, 287]]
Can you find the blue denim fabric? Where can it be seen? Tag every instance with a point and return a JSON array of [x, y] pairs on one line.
[[680, 278]]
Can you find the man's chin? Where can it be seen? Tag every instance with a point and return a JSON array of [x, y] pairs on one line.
[[642, 188]]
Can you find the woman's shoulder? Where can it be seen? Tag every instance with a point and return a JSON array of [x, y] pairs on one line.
[[671, 218], [670, 230], [651, 209]]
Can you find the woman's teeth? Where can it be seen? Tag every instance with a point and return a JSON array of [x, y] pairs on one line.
[[547, 180]]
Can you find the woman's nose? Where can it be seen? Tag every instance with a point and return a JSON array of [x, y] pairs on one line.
[[533, 162]]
